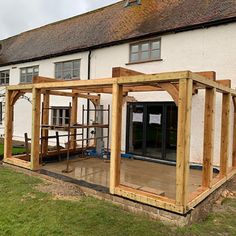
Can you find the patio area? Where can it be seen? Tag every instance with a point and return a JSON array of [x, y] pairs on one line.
[[148, 176]]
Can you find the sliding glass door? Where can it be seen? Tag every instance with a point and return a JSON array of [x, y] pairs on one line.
[[152, 130]]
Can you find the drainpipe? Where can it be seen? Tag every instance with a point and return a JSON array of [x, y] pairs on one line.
[[88, 102]]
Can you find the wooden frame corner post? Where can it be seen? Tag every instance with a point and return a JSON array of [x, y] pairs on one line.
[[234, 134], [35, 132], [208, 144], [117, 95], [225, 134], [183, 141], [8, 126]]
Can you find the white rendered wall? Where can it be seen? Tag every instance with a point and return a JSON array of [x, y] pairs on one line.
[[210, 49]]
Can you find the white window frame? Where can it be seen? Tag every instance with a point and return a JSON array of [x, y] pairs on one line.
[[58, 117], [35, 72], [63, 71], [5, 72], [140, 51]]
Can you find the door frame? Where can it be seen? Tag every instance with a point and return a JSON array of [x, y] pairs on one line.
[[164, 128]]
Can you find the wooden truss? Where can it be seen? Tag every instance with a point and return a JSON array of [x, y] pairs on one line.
[[180, 85]]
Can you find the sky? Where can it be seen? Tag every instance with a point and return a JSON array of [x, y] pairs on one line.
[[17, 16]]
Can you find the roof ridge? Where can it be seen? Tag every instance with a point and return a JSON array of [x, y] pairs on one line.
[[63, 20]]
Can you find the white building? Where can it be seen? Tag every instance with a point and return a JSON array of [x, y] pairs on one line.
[[156, 36]]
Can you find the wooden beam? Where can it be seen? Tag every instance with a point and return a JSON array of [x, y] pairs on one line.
[[226, 82], [120, 71], [95, 99], [45, 121], [126, 89], [117, 98], [148, 198], [18, 162], [225, 134], [86, 96], [128, 99], [35, 132], [135, 80], [206, 83], [211, 75], [74, 111], [208, 145], [183, 141], [16, 95], [172, 90], [78, 84], [234, 135], [13, 95], [60, 93], [141, 88], [155, 78], [25, 87], [41, 79], [199, 196], [8, 126]]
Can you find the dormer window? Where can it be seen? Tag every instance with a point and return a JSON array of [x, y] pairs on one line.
[[145, 51]]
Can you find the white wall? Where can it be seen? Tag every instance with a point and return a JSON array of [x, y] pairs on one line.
[[210, 49]]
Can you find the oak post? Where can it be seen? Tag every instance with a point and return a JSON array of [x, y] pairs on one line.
[[8, 126], [234, 135], [35, 132], [183, 141], [117, 95], [74, 110], [45, 121], [208, 145], [225, 134]]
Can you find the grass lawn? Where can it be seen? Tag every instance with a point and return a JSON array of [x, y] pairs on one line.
[[15, 150], [27, 211]]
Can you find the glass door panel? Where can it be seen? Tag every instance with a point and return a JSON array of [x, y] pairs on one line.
[[136, 144], [154, 131], [171, 132]]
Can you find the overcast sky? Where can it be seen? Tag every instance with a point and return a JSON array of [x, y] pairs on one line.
[[17, 16]]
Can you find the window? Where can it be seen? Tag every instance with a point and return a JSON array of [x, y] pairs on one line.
[[152, 130], [4, 77], [60, 116], [67, 70], [27, 74], [145, 51]]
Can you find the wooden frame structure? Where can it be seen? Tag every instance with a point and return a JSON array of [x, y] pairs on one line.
[[181, 86]]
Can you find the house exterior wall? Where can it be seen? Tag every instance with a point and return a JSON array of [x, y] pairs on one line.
[[209, 49]]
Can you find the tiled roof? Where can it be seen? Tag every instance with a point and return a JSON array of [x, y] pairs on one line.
[[114, 24]]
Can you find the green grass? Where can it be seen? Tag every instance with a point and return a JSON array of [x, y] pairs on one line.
[[26, 211], [15, 150]]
